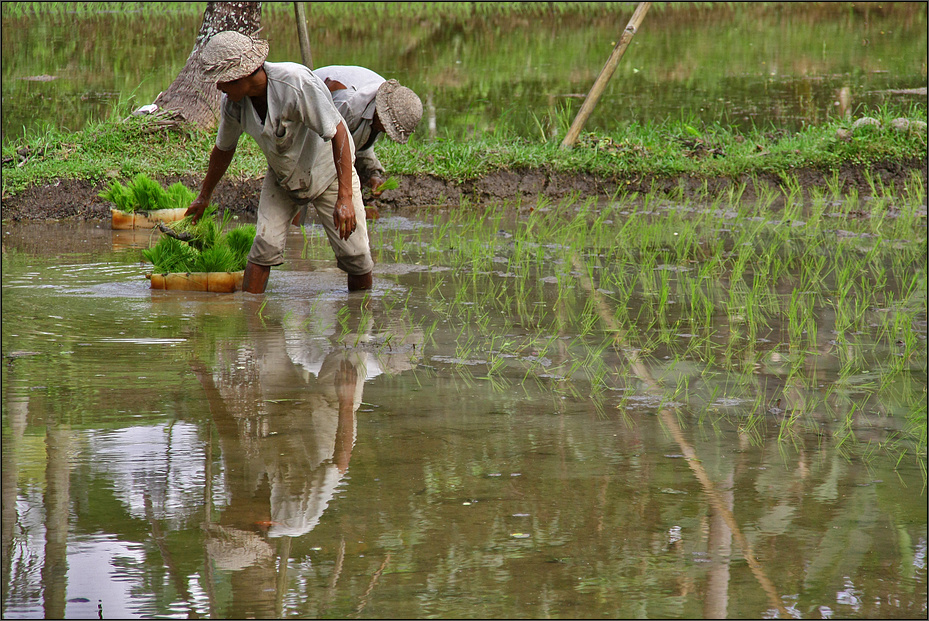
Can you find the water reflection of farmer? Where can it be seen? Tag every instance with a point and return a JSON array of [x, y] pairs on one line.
[[289, 113], [284, 406], [286, 445]]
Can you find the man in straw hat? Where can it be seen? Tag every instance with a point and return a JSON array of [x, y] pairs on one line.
[[289, 112], [371, 106]]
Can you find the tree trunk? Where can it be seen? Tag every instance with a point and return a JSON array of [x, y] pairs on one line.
[[190, 98], [302, 35]]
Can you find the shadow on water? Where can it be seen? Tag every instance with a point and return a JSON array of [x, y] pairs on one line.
[[614, 410]]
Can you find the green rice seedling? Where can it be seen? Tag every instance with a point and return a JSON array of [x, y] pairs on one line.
[[392, 183], [834, 184], [342, 318], [875, 184], [850, 202], [149, 195], [178, 196], [121, 196], [914, 190], [260, 312], [170, 255], [217, 258], [907, 220], [817, 210], [239, 241]]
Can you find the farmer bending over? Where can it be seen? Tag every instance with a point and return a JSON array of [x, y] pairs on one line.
[[371, 106], [289, 112]]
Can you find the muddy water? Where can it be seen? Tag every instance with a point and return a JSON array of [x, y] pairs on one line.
[[310, 453]]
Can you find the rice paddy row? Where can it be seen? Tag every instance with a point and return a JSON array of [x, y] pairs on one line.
[[792, 310]]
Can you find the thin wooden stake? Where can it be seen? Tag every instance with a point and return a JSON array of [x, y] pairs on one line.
[[590, 102], [302, 35]]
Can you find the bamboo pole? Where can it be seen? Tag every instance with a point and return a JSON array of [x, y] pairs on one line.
[[590, 102], [302, 35]]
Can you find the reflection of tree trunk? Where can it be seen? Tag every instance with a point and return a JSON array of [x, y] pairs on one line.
[[207, 520], [158, 535], [719, 545], [17, 409], [283, 555], [57, 492], [190, 98], [254, 591]]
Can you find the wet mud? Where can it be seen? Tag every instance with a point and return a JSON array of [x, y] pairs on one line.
[[79, 200]]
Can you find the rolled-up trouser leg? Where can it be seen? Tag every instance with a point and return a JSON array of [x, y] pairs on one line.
[[276, 210], [353, 254]]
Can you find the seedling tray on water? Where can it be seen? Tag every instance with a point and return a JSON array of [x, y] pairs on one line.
[[215, 282], [125, 220]]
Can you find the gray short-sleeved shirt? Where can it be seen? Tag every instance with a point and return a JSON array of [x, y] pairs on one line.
[[295, 137], [356, 102], [356, 105]]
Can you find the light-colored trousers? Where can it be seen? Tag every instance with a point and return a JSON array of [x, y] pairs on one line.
[[277, 208]]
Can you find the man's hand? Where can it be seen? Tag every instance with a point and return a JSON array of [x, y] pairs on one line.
[[374, 182], [219, 162], [197, 208], [343, 212], [343, 216]]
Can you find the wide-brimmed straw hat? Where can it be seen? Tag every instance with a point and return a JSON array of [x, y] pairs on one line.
[[230, 55], [399, 109]]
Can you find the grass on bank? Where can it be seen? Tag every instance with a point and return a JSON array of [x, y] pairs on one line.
[[125, 145]]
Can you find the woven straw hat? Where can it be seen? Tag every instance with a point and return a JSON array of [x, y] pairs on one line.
[[399, 110], [231, 55]]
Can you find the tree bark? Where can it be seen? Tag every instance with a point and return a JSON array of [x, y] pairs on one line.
[[190, 98]]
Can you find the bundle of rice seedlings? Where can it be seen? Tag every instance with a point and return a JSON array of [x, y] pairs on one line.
[[178, 196], [391, 184], [170, 255], [119, 195], [204, 233], [149, 195], [239, 241], [202, 247], [219, 258], [145, 194]]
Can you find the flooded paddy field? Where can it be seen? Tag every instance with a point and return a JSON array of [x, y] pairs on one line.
[[631, 408]]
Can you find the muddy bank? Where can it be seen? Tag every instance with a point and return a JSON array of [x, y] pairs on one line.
[[78, 200]]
